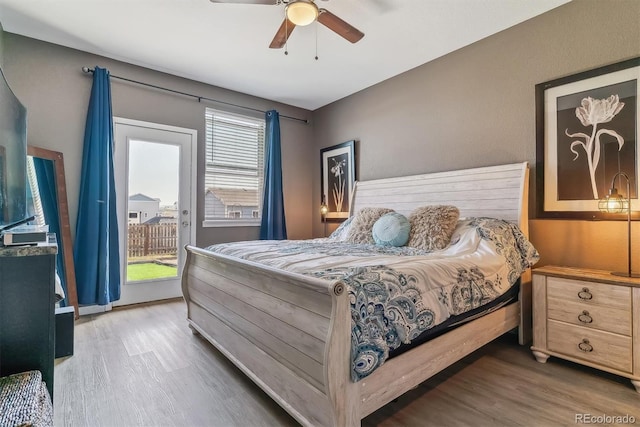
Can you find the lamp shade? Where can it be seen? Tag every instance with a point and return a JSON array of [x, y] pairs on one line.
[[324, 209], [613, 202], [302, 12]]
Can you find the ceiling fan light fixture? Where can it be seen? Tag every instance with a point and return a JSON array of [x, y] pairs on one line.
[[302, 12]]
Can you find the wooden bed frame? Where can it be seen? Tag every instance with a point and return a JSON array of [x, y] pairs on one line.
[[291, 334]]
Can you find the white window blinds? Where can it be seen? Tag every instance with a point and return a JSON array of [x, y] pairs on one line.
[[234, 166]]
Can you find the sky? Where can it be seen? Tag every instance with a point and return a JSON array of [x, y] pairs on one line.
[[153, 170]]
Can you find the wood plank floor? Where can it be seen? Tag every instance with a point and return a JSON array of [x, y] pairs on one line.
[[142, 366]]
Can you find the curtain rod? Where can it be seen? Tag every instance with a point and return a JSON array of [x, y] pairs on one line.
[[88, 70]]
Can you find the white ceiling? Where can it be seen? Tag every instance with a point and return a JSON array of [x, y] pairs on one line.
[[226, 45]]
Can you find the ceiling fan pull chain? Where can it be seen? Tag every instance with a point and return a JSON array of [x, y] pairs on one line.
[[286, 31], [316, 39]]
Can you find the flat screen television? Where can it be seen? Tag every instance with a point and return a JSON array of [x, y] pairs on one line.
[[13, 155]]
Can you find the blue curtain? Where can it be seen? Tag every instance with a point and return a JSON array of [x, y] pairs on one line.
[[46, 178], [95, 251], [273, 225]]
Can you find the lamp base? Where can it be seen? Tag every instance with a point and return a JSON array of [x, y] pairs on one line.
[[626, 274]]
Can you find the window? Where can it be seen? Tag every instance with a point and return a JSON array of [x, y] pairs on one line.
[[234, 168], [133, 215]]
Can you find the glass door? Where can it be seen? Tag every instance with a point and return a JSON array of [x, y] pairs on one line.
[[154, 184]]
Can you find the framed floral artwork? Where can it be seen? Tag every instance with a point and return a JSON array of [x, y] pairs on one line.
[[587, 132], [338, 176]]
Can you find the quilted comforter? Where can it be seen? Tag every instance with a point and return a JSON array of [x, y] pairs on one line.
[[397, 293]]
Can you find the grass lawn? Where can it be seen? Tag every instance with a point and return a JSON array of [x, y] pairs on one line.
[[148, 271]]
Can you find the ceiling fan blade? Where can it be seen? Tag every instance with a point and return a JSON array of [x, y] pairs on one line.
[[339, 26], [283, 34], [269, 2]]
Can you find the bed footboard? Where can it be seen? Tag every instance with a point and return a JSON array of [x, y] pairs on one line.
[[288, 332]]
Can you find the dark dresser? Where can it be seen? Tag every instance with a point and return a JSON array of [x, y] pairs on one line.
[[27, 304]]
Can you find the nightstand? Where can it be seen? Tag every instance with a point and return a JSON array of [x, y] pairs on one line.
[[589, 317]]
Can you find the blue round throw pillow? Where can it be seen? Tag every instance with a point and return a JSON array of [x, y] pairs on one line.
[[391, 229]]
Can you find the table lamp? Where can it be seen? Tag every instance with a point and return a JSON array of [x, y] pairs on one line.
[[615, 203], [324, 209]]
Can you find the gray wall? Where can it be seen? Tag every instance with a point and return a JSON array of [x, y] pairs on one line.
[[48, 80], [476, 107], [473, 107], [1, 46]]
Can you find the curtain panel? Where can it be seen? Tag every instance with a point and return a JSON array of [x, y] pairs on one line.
[[96, 249], [273, 225]]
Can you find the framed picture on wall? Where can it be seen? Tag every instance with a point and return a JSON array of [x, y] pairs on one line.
[[587, 132], [338, 176]]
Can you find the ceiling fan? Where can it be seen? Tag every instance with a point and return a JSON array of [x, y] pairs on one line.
[[300, 13]]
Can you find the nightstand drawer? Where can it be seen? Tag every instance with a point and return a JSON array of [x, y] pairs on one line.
[[589, 292], [605, 318], [602, 348]]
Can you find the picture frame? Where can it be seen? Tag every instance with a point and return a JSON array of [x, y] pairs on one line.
[[587, 132], [338, 175]]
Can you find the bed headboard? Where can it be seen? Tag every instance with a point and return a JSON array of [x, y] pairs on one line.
[[494, 191]]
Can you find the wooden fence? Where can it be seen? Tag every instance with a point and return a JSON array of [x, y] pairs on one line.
[[152, 239]]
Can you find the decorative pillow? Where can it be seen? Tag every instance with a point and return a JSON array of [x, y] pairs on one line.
[[340, 233], [432, 227], [362, 225], [391, 229]]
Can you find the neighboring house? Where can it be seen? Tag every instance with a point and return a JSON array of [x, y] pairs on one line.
[[142, 208], [231, 203], [169, 211], [161, 219]]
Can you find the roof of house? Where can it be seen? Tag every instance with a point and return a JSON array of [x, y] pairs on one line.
[[235, 196], [157, 219], [139, 197]]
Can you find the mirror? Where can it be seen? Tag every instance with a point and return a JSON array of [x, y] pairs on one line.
[[50, 202]]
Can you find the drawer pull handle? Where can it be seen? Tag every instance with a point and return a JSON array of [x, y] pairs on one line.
[[585, 346], [584, 294], [585, 317]]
